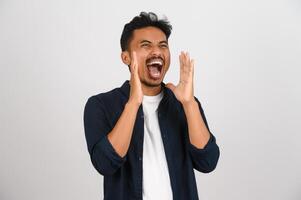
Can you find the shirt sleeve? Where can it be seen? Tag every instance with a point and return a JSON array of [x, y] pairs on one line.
[[102, 154], [205, 159]]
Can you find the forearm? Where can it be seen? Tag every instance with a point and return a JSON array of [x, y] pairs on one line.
[[198, 132], [121, 134]]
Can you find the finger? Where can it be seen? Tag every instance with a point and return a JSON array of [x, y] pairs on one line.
[[135, 61], [192, 72], [192, 66], [187, 61], [132, 63], [181, 58], [135, 65], [187, 56], [190, 63]]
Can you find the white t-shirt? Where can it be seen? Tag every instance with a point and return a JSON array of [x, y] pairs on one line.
[[156, 181]]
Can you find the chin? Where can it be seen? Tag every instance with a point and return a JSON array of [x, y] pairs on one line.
[[152, 83]]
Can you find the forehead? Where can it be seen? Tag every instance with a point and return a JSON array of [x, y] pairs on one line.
[[150, 33]]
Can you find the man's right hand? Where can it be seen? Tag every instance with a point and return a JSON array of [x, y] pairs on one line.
[[121, 134], [136, 93]]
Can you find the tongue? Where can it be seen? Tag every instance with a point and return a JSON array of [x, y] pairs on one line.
[[154, 72]]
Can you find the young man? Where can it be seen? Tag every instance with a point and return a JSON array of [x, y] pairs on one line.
[[146, 137]]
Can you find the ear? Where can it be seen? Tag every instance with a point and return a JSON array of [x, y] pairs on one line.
[[125, 57]]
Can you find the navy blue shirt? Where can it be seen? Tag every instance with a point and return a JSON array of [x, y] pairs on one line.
[[123, 175]]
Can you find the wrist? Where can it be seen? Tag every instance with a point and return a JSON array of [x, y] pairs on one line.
[[189, 104], [133, 105]]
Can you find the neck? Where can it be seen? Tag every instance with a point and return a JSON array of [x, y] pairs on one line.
[[151, 91]]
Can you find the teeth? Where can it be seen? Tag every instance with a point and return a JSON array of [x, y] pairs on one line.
[[155, 62], [158, 62]]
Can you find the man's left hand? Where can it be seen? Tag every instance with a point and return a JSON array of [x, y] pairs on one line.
[[184, 90]]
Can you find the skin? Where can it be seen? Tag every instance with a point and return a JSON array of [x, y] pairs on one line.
[[147, 42]]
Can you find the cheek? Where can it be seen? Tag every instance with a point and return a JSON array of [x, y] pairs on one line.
[[168, 61], [141, 60], [167, 56], [141, 69], [141, 66]]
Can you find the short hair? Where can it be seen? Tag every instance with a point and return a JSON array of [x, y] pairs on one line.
[[143, 20]]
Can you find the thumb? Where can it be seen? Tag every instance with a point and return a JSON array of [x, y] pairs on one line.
[[170, 86]]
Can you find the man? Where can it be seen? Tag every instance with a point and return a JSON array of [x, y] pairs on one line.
[[146, 137]]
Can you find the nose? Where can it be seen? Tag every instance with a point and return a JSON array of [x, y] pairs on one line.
[[156, 51]]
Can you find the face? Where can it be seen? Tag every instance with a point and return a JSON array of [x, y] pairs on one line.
[[153, 56]]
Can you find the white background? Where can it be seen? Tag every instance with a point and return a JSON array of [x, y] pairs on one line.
[[55, 54]]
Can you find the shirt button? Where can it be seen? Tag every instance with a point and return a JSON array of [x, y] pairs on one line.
[[140, 158], [142, 116]]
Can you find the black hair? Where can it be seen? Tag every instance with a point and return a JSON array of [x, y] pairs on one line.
[[143, 20]]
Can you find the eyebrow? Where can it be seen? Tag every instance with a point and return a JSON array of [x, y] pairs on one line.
[[146, 41]]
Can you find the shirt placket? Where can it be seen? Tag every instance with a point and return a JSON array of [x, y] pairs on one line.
[[140, 128]]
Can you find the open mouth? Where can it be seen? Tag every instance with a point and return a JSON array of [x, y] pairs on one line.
[[154, 66]]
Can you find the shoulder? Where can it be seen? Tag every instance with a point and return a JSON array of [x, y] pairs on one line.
[[107, 96], [109, 100]]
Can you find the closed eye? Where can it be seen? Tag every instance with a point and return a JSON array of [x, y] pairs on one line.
[[164, 46], [145, 45]]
